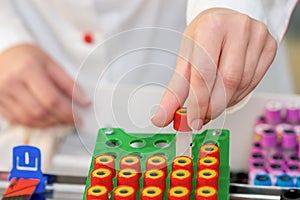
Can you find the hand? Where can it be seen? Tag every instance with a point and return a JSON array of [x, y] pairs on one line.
[[223, 57], [34, 90]]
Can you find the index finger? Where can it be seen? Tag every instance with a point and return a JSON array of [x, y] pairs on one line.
[[175, 94]]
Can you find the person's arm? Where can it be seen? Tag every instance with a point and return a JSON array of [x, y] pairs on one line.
[[35, 91], [12, 29], [275, 14], [224, 54]]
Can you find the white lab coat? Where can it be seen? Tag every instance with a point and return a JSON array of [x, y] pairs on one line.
[[59, 26]]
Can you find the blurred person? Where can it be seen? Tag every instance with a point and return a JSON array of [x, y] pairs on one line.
[[241, 38]]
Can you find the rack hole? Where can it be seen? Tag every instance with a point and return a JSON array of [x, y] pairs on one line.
[[161, 144], [112, 143], [137, 144]]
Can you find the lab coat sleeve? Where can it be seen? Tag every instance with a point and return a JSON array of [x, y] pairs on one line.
[[12, 29], [275, 14]]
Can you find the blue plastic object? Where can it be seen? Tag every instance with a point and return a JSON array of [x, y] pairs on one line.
[[27, 165], [285, 180], [262, 180], [298, 182]]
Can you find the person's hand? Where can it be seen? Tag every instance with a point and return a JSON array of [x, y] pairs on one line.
[[224, 55], [34, 90]]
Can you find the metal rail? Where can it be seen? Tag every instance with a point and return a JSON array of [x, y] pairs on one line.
[[72, 187]]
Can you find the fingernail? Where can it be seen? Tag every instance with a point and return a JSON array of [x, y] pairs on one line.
[[159, 117], [197, 124]]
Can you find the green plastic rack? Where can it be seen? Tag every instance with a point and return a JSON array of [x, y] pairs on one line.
[[118, 143]]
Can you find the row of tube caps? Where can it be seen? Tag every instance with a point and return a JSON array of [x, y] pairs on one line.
[[154, 180], [275, 153]]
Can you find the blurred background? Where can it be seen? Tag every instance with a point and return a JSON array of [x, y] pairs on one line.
[[293, 44]]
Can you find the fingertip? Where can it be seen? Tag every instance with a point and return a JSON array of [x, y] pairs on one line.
[[196, 124], [80, 98], [156, 122], [159, 119]]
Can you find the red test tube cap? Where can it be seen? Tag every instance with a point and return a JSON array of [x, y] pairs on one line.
[[97, 193], [206, 193], [129, 177], [102, 177], [124, 193], [180, 121], [178, 193], [152, 193]]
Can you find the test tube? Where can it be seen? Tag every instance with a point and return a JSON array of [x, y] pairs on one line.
[[182, 178], [184, 136], [293, 169], [268, 138], [289, 141], [275, 169], [292, 113], [208, 177], [105, 161], [280, 129], [157, 162], [211, 150], [277, 158], [297, 131], [129, 177], [284, 180], [97, 192], [262, 180], [155, 177], [102, 177], [208, 163], [131, 162], [152, 193], [179, 193], [206, 193], [293, 158], [273, 112], [257, 156], [124, 192], [298, 182], [259, 130], [255, 169], [183, 162]]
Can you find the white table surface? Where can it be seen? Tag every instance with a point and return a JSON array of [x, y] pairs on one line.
[[131, 109]]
